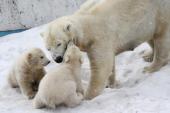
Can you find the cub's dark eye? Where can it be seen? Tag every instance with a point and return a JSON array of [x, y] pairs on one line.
[[48, 49], [58, 44], [41, 57]]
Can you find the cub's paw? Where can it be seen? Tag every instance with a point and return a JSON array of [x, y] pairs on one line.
[[31, 95], [81, 91], [80, 96]]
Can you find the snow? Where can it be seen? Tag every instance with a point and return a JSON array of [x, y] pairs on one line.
[[137, 92]]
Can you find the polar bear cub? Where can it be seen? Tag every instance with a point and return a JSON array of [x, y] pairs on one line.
[[27, 72], [63, 84]]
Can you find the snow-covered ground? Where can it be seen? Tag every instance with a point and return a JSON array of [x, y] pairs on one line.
[[138, 92]]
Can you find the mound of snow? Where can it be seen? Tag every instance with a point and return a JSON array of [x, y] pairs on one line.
[[138, 92]]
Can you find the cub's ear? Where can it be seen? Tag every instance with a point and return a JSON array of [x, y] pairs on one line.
[[29, 56], [81, 60], [66, 59]]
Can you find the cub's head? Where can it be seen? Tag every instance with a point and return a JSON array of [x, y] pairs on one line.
[[58, 34], [36, 58], [73, 54]]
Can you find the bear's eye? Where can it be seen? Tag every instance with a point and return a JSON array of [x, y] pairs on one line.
[[58, 44], [48, 49], [42, 57]]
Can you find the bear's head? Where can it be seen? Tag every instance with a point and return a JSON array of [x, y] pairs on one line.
[[58, 34], [73, 54], [36, 58]]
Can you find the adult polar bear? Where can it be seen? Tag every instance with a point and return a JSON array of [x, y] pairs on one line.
[[110, 27]]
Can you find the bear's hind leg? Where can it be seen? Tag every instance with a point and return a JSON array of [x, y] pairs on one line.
[[161, 52], [112, 80], [148, 57]]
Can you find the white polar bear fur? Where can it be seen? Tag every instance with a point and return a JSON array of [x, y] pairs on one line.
[[63, 84], [27, 72], [109, 27], [87, 5]]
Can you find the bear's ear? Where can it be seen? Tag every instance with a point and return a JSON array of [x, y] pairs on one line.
[[70, 43], [46, 31], [66, 59], [67, 27]]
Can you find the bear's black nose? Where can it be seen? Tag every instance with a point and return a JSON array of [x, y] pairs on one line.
[[59, 59], [48, 62]]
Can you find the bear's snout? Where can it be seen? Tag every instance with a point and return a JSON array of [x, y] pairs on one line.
[[59, 59], [47, 63]]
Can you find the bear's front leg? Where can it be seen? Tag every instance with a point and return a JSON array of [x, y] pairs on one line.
[[101, 62]]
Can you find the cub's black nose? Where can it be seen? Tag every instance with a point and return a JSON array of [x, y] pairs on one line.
[[59, 59]]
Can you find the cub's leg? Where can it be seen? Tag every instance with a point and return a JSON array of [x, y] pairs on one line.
[[26, 89], [12, 80], [37, 103], [79, 85], [80, 88], [148, 57], [74, 100], [161, 52], [101, 62]]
